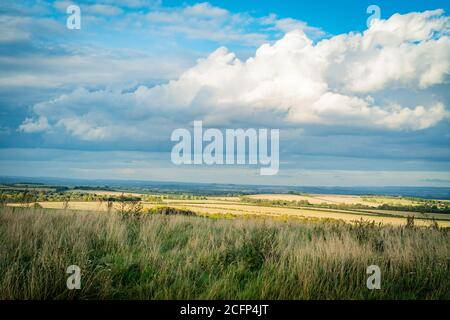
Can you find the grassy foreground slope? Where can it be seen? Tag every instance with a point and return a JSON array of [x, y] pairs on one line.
[[180, 257]]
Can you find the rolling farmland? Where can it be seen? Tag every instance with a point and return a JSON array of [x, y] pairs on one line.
[[235, 206]]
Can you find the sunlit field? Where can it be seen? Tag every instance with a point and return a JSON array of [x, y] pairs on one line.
[[372, 201], [235, 206]]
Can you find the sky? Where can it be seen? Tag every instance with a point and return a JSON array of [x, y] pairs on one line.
[[356, 103]]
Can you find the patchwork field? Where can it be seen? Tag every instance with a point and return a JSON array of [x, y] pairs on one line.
[[372, 201], [235, 206]]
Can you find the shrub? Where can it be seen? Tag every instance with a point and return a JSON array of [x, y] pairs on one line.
[[410, 222], [173, 211], [129, 208]]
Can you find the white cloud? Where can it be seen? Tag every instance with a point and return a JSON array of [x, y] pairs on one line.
[[21, 28], [207, 22], [11, 29], [104, 9], [205, 10], [32, 126], [84, 69], [288, 24], [92, 9], [410, 50], [332, 82], [135, 3]]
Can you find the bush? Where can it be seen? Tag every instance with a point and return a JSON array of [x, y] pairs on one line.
[[172, 211], [129, 208], [410, 222]]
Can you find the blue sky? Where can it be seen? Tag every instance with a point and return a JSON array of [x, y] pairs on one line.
[[355, 106], [333, 16]]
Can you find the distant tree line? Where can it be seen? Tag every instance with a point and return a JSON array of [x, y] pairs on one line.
[[31, 196], [426, 206]]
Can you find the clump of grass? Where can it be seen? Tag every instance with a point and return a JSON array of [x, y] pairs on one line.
[[165, 256], [258, 246]]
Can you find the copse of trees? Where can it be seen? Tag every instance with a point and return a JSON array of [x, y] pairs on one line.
[[424, 208], [34, 195], [18, 196], [31, 196]]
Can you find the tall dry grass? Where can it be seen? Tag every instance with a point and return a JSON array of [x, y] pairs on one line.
[[179, 257]]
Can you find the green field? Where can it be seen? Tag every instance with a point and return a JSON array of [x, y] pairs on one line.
[[156, 256]]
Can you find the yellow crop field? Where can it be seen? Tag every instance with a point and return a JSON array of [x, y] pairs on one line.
[[372, 201], [316, 213], [233, 206]]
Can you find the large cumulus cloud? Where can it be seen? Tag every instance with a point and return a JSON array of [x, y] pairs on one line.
[[340, 81]]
